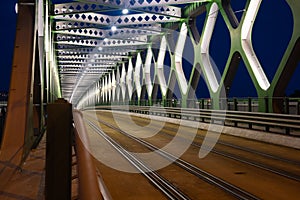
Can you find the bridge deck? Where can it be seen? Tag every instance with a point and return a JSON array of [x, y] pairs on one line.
[[257, 181], [28, 180]]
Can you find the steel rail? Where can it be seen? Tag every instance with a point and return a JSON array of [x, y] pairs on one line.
[[89, 185], [263, 154], [255, 164], [231, 189], [249, 162], [293, 162], [267, 120], [165, 186]]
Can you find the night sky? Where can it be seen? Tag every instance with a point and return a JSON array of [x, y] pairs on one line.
[[271, 34], [7, 37]]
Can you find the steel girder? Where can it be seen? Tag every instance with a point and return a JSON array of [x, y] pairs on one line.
[[132, 76]]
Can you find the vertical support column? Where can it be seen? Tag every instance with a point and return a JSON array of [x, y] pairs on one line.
[[18, 133], [59, 151]]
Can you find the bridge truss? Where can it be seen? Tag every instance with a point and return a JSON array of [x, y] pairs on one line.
[[115, 51]]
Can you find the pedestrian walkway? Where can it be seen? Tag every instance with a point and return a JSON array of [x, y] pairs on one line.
[[26, 181]]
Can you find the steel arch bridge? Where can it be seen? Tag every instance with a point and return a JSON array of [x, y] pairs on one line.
[[114, 52], [105, 56]]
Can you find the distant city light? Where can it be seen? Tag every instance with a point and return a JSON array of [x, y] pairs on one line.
[[125, 11], [16, 8], [113, 28]]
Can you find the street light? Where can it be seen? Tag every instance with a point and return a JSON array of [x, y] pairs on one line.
[[125, 11], [113, 28]]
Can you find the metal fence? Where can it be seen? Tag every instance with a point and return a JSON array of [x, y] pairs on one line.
[[269, 122], [249, 104]]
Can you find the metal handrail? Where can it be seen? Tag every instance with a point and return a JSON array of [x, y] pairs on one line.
[[251, 118], [90, 186]]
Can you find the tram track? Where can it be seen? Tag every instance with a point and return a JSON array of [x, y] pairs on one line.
[[245, 149], [164, 186], [262, 166], [201, 174], [253, 163]]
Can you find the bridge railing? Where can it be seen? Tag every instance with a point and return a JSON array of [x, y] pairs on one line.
[[250, 104], [90, 187], [269, 122], [63, 139]]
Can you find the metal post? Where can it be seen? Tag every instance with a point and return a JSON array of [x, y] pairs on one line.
[[287, 130], [249, 104], [286, 105], [88, 182], [287, 111], [59, 151], [250, 110], [266, 104], [235, 107], [235, 104], [202, 103], [267, 110]]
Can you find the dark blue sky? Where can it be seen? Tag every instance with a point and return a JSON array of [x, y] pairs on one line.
[[271, 34], [7, 37]]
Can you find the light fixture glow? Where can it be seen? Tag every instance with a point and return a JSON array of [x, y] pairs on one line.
[[105, 40], [125, 11], [16, 8], [113, 28]]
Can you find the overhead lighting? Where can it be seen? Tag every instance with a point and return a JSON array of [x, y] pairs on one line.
[[16, 8], [125, 11], [105, 39], [113, 28]]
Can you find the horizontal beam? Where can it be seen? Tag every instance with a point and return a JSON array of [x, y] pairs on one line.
[[102, 33], [106, 20], [77, 7], [102, 43], [139, 4], [86, 66], [65, 25], [138, 38]]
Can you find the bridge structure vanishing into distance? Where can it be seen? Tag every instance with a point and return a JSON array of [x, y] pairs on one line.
[[147, 57]]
